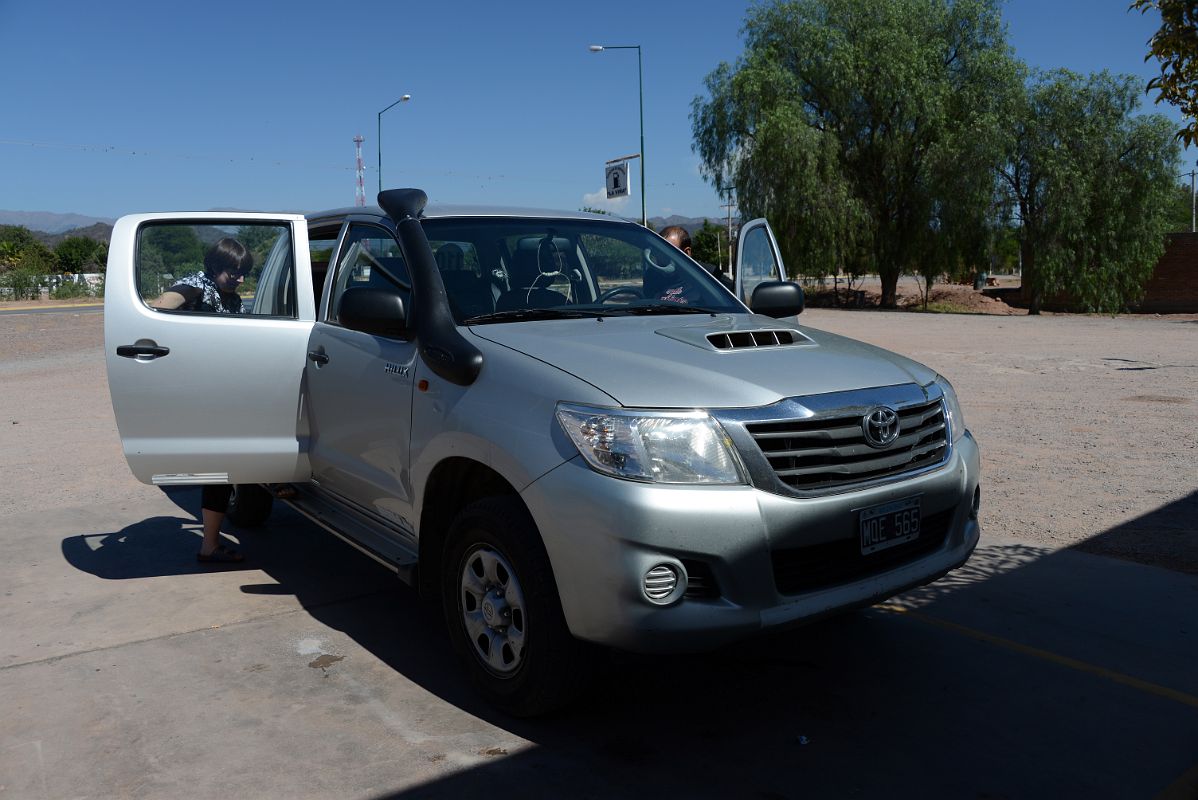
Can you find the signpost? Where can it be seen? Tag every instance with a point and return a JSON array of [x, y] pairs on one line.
[[617, 180], [616, 175]]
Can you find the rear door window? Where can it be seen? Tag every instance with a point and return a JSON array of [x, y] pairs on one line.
[[211, 268]]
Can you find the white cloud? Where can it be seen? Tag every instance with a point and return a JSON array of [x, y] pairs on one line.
[[598, 199]]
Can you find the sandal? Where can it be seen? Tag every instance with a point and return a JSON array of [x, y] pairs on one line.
[[221, 555]]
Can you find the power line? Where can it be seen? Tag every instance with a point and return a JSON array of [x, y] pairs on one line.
[[125, 150]]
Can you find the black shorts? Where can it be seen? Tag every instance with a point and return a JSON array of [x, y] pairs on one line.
[[215, 497]]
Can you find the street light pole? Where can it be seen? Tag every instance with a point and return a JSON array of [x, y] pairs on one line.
[[640, 88], [403, 99]]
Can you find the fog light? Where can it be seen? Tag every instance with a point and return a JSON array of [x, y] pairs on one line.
[[664, 584], [977, 503]]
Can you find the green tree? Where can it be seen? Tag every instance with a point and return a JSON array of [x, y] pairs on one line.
[[1175, 46], [20, 249], [77, 254], [166, 250], [866, 133], [1180, 209], [709, 243], [1092, 185]]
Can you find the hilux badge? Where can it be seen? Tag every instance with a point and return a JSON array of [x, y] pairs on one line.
[[880, 426], [395, 369]]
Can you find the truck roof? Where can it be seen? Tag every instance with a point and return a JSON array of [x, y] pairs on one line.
[[433, 211]]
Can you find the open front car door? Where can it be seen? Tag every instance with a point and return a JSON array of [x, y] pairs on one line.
[[206, 324], [758, 258]]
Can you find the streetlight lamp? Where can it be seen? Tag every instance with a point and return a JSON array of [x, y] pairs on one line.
[[640, 87], [403, 99]]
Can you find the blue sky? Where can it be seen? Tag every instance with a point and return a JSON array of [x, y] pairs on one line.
[[115, 108]]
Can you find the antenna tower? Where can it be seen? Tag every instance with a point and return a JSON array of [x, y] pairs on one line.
[[360, 189]]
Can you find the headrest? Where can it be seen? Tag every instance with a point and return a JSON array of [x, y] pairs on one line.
[[450, 257], [540, 255]]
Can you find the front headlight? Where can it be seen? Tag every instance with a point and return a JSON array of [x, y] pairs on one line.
[[956, 421], [654, 446]]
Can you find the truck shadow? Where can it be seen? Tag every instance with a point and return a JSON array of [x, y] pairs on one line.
[[896, 701]]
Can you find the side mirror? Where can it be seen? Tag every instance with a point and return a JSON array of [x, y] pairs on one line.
[[376, 311], [777, 299]]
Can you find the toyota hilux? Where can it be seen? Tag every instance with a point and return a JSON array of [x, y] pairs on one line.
[[556, 426]]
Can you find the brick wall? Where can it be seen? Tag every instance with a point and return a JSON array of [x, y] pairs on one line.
[[1173, 287]]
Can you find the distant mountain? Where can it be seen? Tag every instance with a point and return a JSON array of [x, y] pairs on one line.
[[100, 231], [691, 224], [48, 221]]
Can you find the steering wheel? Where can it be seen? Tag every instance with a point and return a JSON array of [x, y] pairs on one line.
[[619, 290]]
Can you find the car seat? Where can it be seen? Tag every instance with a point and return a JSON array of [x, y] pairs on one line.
[[538, 264]]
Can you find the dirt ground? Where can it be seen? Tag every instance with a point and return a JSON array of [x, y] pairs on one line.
[[944, 297], [1088, 425]]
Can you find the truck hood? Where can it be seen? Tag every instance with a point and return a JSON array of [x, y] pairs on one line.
[[691, 361]]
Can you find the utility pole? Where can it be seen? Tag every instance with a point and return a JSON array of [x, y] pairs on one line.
[[360, 187], [729, 205], [1193, 205]]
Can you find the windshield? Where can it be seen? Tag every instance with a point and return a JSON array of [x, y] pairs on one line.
[[498, 269]]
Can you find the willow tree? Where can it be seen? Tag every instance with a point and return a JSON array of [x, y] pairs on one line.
[[854, 126], [1093, 185]]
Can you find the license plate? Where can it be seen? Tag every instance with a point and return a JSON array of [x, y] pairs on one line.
[[889, 525]]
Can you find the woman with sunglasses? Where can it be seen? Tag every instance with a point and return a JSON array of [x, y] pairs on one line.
[[214, 291]]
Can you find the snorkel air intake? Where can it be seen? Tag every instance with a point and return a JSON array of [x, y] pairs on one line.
[[442, 346]]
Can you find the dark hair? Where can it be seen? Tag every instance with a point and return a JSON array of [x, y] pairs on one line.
[[684, 238], [228, 255]]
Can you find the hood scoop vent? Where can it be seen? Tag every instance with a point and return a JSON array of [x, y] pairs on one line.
[[747, 340]]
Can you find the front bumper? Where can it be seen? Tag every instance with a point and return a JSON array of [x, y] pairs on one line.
[[603, 534]]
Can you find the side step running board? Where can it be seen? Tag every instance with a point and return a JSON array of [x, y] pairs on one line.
[[387, 549]]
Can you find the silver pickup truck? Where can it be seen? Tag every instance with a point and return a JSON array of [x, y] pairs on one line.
[[556, 426]]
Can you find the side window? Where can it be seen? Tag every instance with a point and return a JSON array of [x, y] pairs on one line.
[[214, 268], [370, 257], [757, 261]]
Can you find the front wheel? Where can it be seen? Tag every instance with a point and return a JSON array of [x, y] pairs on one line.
[[503, 613]]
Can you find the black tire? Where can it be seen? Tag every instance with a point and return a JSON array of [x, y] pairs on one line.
[[250, 505], [550, 665]]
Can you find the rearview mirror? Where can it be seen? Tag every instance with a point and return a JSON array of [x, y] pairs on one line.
[[777, 299], [376, 311]]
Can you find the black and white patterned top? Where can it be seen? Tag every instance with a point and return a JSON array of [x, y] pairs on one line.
[[200, 293]]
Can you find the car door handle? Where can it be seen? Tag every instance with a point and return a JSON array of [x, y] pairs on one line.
[[317, 357], [141, 351]]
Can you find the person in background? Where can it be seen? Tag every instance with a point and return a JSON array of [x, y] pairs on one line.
[[214, 291], [678, 236]]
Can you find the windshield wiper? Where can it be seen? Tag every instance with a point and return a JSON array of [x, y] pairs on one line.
[[661, 308], [530, 314]]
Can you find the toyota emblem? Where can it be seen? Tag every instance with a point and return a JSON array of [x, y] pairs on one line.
[[880, 426]]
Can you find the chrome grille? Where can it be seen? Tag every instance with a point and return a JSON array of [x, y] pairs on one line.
[[830, 451]]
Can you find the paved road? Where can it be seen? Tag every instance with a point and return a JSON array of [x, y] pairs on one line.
[[96, 309], [127, 671]]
